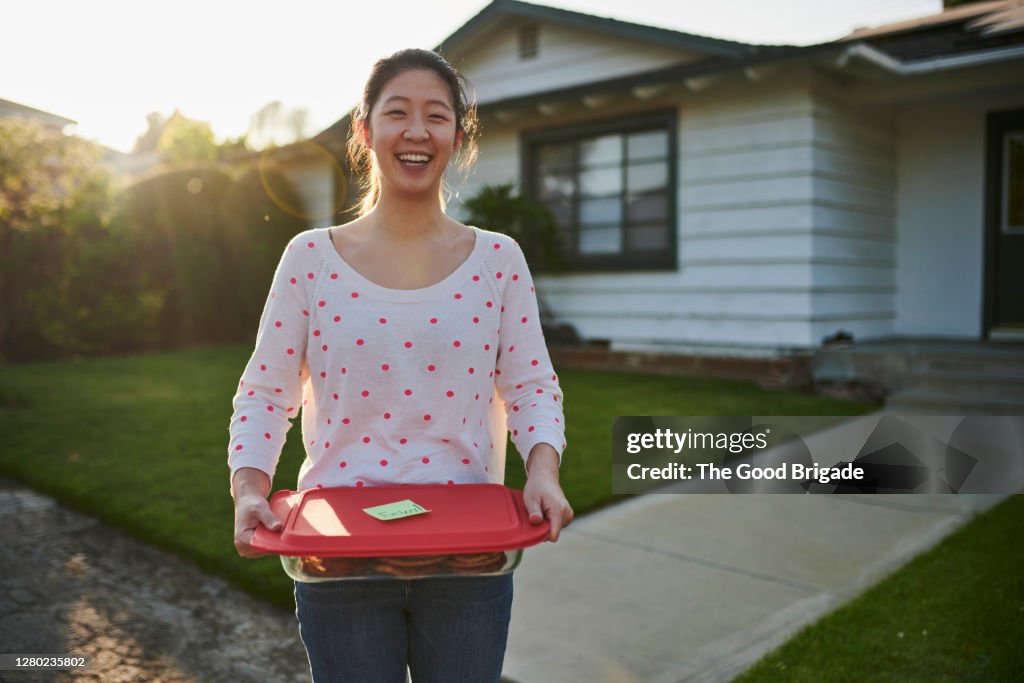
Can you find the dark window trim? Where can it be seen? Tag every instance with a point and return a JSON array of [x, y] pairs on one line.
[[654, 260]]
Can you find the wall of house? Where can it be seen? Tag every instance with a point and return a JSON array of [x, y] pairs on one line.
[[853, 255], [802, 212], [314, 182], [745, 211], [748, 220], [566, 56], [941, 214]]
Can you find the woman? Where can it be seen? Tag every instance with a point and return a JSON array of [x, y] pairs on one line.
[[414, 345]]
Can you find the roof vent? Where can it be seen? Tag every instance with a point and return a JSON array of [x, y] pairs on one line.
[[528, 43]]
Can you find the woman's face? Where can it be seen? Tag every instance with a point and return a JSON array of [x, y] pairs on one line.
[[412, 132]]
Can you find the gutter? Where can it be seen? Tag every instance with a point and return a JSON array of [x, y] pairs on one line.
[[884, 60]]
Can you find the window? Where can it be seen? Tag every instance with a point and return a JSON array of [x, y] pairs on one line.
[[528, 44], [611, 189]]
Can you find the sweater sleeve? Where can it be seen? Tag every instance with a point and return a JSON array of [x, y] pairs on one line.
[[524, 376], [270, 390]]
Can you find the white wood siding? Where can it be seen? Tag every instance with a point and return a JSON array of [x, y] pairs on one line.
[[746, 199], [800, 213], [497, 163], [567, 56], [853, 254], [746, 221], [941, 215], [313, 180]]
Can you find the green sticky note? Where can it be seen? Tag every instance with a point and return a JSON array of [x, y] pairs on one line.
[[397, 510]]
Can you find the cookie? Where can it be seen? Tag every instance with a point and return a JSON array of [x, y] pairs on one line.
[[333, 566], [408, 565], [468, 560]]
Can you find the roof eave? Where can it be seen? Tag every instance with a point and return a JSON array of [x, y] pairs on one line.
[[670, 74], [516, 8]]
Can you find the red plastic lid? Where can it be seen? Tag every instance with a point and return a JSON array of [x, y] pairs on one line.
[[467, 518]]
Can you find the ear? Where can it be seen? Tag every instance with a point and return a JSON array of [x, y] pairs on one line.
[[458, 139], [364, 130]]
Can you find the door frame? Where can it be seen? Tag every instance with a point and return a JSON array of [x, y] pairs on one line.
[[996, 123]]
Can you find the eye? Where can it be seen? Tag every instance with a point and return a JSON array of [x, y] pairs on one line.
[[439, 117], [396, 112]]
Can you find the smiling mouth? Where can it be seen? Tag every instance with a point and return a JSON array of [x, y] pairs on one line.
[[414, 159]]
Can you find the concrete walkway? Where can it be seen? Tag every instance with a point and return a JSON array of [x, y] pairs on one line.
[[676, 587], [71, 585], [659, 588]]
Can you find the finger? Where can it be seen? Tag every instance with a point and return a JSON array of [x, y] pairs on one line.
[[244, 535], [560, 516], [247, 551], [243, 543], [555, 519], [270, 520], [554, 515], [533, 509]]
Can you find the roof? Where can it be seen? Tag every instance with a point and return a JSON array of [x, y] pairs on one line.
[[673, 74], [977, 33], [13, 109], [717, 49], [1002, 20], [956, 31], [500, 10], [992, 17]]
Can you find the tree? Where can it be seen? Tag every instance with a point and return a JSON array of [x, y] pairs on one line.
[[148, 141], [275, 124], [183, 141], [58, 260], [531, 225], [186, 141], [206, 243], [497, 208]]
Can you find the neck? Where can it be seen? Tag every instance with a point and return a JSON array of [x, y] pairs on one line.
[[409, 218]]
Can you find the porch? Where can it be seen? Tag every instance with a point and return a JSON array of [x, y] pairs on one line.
[[929, 376]]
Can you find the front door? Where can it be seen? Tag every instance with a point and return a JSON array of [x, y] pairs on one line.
[[1004, 211]]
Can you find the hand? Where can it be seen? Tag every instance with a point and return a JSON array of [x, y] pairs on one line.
[[250, 511], [543, 495], [249, 487]]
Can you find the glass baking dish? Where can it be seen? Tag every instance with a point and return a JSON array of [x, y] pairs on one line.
[[336, 534], [314, 569]]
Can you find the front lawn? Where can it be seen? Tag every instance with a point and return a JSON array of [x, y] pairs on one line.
[[140, 442]]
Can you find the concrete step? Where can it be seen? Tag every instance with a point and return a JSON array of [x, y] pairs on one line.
[[1007, 364], [993, 385], [925, 401], [982, 370], [858, 365]]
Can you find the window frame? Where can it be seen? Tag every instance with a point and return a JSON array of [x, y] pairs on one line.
[[666, 259]]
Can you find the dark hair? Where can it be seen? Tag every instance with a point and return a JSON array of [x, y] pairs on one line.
[[413, 59]]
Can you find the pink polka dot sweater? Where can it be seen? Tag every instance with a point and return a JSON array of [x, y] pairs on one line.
[[397, 386]]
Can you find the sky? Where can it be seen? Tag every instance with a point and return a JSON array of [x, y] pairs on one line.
[[108, 63]]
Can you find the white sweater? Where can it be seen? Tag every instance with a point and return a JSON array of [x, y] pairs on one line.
[[397, 386]]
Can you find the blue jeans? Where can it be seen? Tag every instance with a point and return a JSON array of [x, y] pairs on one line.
[[368, 631]]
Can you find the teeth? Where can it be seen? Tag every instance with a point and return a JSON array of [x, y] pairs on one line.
[[414, 157]]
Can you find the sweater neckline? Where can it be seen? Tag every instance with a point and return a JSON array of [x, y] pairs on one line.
[[468, 265]]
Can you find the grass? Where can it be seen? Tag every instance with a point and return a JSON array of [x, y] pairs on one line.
[[954, 613], [140, 442]]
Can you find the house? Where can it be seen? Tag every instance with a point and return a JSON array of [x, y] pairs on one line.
[[746, 202], [116, 162], [9, 109], [315, 170]]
